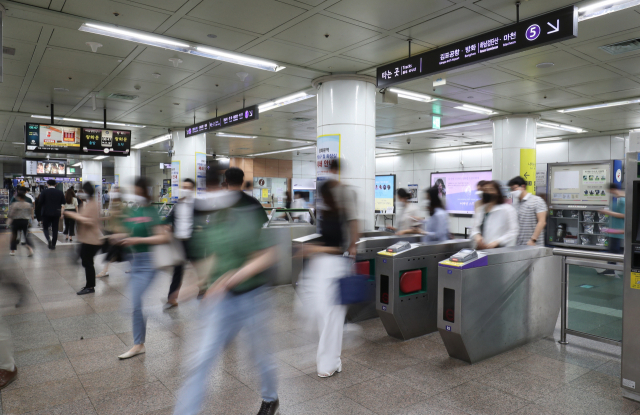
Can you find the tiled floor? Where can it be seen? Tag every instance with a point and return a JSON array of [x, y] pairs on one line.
[[66, 348]]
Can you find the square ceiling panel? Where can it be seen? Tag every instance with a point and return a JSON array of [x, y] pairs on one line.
[[284, 52], [527, 65], [450, 27], [24, 50], [202, 33], [311, 32], [201, 95], [145, 72], [14, 67], [507, 8], [217, 85], [259, 16], [20, 29], [158, 56], [87, 62], [482, 77], [388, 14], [385, 50], [231, 71], [290, 81], [133, 87], [503, 104], [631, 65], [268, 92], [75, 39], [170, 5], [609, 96], [338, 64], [580, 76], [80, 83], [592, 48], [607, 85], [551, 97], [128, 15], [512, 89]]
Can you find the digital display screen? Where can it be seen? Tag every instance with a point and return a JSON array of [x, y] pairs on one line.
[[385, 193], [542, 30], [585, 184], [56, 168], [458, 189], [46, 138], [101, 141], [227, 120]]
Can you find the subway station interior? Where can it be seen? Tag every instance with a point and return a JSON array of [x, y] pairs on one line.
[[418, 207]]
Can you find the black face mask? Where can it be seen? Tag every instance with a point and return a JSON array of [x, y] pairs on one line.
[[487, 197]]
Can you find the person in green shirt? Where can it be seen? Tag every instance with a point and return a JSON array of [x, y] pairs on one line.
[[144, 230], [229, 223]]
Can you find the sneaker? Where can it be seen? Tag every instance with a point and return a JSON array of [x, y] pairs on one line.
[[7, 377], [86, 290], [269, 408], [12, 253], [50, 245], [102, 274]]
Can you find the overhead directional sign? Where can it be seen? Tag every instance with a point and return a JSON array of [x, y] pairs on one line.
[[227, 120], [548, 28]]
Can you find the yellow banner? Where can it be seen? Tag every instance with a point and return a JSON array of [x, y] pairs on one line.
[[528, 168], [635, 280], [265, 193]]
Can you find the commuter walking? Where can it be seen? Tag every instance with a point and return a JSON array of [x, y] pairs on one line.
[[105, 199], [616, 229], [144, 230], [20, 213], [52, 201], [409, 215], [8, 287], [236, 296], [89, 235], [181, 219], [479, 187], [113, 226], [532, 213], [69, 222], [437, 226], [495, 222]]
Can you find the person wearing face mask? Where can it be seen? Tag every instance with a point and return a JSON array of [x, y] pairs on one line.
[[437, 226], [181, 219], [532, 213], [409, 215], [479, 187], [495, 222]]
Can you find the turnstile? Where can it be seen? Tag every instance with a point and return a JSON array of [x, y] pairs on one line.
[[502, 299], [407, 287]]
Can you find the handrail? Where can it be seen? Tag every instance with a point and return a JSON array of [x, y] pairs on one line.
[[598, 256]]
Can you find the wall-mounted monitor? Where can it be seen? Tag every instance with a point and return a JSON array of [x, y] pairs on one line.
[[385, 194], [44, 168], [62, 139], [581, 183], [458, 189]]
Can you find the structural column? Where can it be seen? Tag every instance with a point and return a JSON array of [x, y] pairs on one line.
[[189, 158], [126, 170], [92, 172], [347, 126], [514, 148]]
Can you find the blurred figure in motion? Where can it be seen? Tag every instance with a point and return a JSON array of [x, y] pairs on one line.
[[235, 296], [319, 289], [20, 213], [495, 222], [113, 225], [52, 201], [437, 226], [409, 215], [299, 203], [89, 234], [71, 206], [144, 230], [479, 187], [181, 220], [532, 213], [9, 289]]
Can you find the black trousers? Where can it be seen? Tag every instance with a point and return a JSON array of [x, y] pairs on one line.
[[69, 226], [178, 272], [53, 222], [17, 226], [87, 253]]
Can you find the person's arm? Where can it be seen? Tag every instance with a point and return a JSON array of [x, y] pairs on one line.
[[259, 262], [612, 213], [542, 222], [476, 235], [511, 235], [161, 236]]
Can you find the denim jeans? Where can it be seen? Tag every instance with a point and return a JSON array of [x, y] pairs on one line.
[[142, 274], [220, 322]]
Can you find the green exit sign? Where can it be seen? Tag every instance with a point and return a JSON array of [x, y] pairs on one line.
[[436, 123]]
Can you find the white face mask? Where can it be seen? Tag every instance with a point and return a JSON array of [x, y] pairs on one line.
[[479, 193], [516, 194], [186, 193]]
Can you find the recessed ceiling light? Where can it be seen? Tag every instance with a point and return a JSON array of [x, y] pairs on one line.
[[543, 65], [212, 36], [156, 75]]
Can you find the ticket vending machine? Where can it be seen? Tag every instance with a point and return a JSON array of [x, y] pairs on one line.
[[630, 369]]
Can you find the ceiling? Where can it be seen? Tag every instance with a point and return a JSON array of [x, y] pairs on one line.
[[51, 53]]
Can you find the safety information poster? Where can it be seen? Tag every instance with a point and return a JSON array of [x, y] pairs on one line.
[[635, 280], [585, 184], [385, 191], [201, 173], [175, 180]]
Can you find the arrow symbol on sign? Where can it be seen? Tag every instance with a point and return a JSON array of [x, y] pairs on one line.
[[555, 28], [526, 175]]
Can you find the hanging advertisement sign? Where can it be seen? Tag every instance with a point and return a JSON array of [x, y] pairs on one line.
[[201, 173], [175, 180], [327, 150]]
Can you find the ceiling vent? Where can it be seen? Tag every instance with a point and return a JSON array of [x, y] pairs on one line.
[[61, 89], [8, 51], [123, 96], [300, 119], [622, 47]]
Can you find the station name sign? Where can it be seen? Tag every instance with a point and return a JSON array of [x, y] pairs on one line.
[[542, 30], [227, 120]]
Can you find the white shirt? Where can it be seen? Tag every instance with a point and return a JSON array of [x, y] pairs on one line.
[[405, 213], [183, 221], [501, 224]]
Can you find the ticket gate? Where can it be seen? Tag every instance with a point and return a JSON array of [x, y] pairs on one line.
[[498, 300], [407, 286]]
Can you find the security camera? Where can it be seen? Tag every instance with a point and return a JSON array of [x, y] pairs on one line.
[[408, 140], [297, 153]]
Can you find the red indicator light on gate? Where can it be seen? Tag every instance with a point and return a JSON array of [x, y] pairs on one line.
[[454, 259]]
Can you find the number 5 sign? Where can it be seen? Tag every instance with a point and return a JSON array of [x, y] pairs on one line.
[[533, 32]]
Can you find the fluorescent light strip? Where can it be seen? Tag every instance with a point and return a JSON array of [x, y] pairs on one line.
[[386, 155], [236, 135], [292, 141], [100, 157], [540, 140], [604, 7], [47, 117], [411, 95], [477, 110], [77, 164], [459, 147], [434, 130], [286, 100], [561, 127], [180, 46], [603, 105], [281, 151], [153, 141]]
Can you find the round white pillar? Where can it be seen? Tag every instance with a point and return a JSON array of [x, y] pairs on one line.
[[347, 107], [188, 153], [514, 148], [126, 170], [92, 172]]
